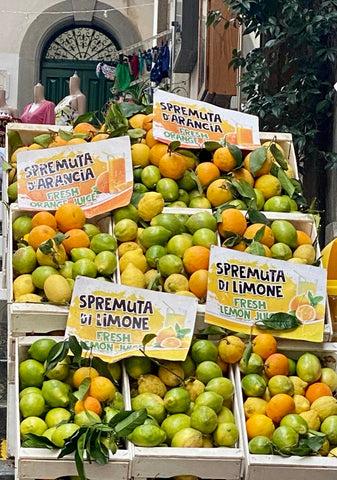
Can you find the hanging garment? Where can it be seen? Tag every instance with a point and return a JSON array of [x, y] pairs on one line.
[[123, 77], [165, 56], [65, 114], [141, 63], [5, 118], [108, 71], [134, 62], [44, 113], [148, 60]]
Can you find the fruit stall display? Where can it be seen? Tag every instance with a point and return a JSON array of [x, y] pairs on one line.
[[252, 204]]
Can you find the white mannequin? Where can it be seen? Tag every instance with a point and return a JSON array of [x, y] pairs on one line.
[[6, 108], [40, 110], [71, 106]]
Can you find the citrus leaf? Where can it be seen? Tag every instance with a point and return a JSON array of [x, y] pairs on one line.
[[278, 155], [173, 146], [244, 188], [147, 338], [237, 154], [6, 166], [79, 452], [14, 139], [246, 354], [75, 347], [259, 234], [256, 248], [232, 240], [255, 216], [57, 353], [136, 132], [211, 146], [129, 109], [256, 159], [36, 441], [88, 117], [133, 420], [44, 139], [278, 321], [65, 135], [285, 182], [187, 153], [83, 389], [101, 452], [213, 330], [46, 247]]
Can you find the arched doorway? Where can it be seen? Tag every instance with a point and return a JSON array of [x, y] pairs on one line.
[[78, 49], [45, 28]]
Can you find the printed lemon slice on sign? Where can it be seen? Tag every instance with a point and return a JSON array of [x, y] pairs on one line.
[[305, 313]]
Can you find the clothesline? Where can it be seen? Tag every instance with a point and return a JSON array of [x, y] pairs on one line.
[[141, 43]]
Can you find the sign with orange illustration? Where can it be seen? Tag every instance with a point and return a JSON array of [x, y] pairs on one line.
[[193, 123], [245, 289], [96, 176], [113, 319]]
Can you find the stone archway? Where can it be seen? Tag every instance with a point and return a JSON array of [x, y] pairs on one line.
[[46, 26]]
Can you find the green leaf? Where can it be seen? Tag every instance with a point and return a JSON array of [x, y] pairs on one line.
[[237, 154], [285, 182], [59, 238], [136, 132], [36, 441], [232, 240], [44, 139], [147, 338], [256, 159], [14, 139], [75, 347], [244, 188], [278, 321], [247, 353], [129, 109], [126, 426], [211, 146], [187, 153], [84, 388], [79, 452], [256, 248], [57, 353], [278, 155], [6, 166], [255, 216], [173, 146], [314, 300], [46, 247], [259, 234], [213, 330], [101, 453]]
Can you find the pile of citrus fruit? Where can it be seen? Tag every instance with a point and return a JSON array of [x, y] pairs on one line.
[[276, 238], [189, 403], [287, 400], [170, 252], [51, 249], [56, 402]]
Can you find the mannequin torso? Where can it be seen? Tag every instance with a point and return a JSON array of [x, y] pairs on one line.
[[7, 115], [4, 108], [71, 106], [41, 110]]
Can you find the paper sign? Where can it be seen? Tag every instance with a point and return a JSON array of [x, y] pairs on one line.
[[96, 176], [245, 288], [193, 123], [113, 319]]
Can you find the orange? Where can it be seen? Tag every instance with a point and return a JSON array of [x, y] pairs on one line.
[[156, 152], [57, 141], [303, 238], [197, 283], [69, 216], [207, 172], [102, 389], [83, 372], [224, 159], [147, 122], [44, 218], [267, 239], [149, 139], [233, 221], [218, 192], [75, 141], [172, 165], [99, 137], [297, 301], [305, 313], [317, 390], [240, 246], [259, 424], [243, 174], [265, 169], [84, 127], [40, 234], [89, 403], [264, 345], [276, 364], [280, 405], [195, 258], [76, 238]]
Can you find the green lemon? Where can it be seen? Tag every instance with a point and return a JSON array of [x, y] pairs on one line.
[[204, 349], [226, 434], [205, 237], [199, 202], [277, 203], [187, 181], [55, 393], [24, 260], [54, 416], [32, 404], [86, 417], [137, 366], [280, 384], [179, 243], [103, 241], [239, 204], [150, 176], [41, 273], [285, 438], [129, 211], [57, 289], [66, 270], [259, 197], [40, 349], [260, 445], [183, 196], [168, 188], [62, 432], [187, 438], [207, 370], [125, 230], [153, 403], [177, 400], [308, 367], [91, 229], [173, 423], [201, 220], [168, 264], [84, 267], [204, 419], [106, 263], [281, 251], [170, 221], [82, 252], [254, 364], [29, 390], [153, 254], [21, 226], [60, 371], [12, 192], [292, 368], [188, 366], [296, 422], [31, 373], [284, 232], [34, 425], [209, 399], [147, 436], [225, 415], [329, 427], [154, 235], [253, 385], [221, 385], [49, 432]]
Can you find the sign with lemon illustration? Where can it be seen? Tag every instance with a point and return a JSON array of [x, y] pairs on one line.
[[113, 319], [247, 292], [193, 123], [96, 176]]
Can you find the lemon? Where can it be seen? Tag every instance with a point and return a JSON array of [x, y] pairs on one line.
[[268, 185], [175, 283], [21, 226], [140, 153], [135, 257], [29, 298], [62, 432], [150, 205], [126, 230], [24, 260], [204, 419], [312, 419], [225, 415], [226, 434], [55, 258], [306, 252], [56, 415], [194, 387], [325, 406], [40, 349], [136, 121], [137, 366], [151, 383], [32, 424], [173, 423], [171, 373], [177, 400], [147, 436], [299, 385], [153, 403], [126, 247], [133, 277], [302, 404], [270, 156], [23, 284], [32, 404], [57, 289], [187, 438], [254, 405]]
